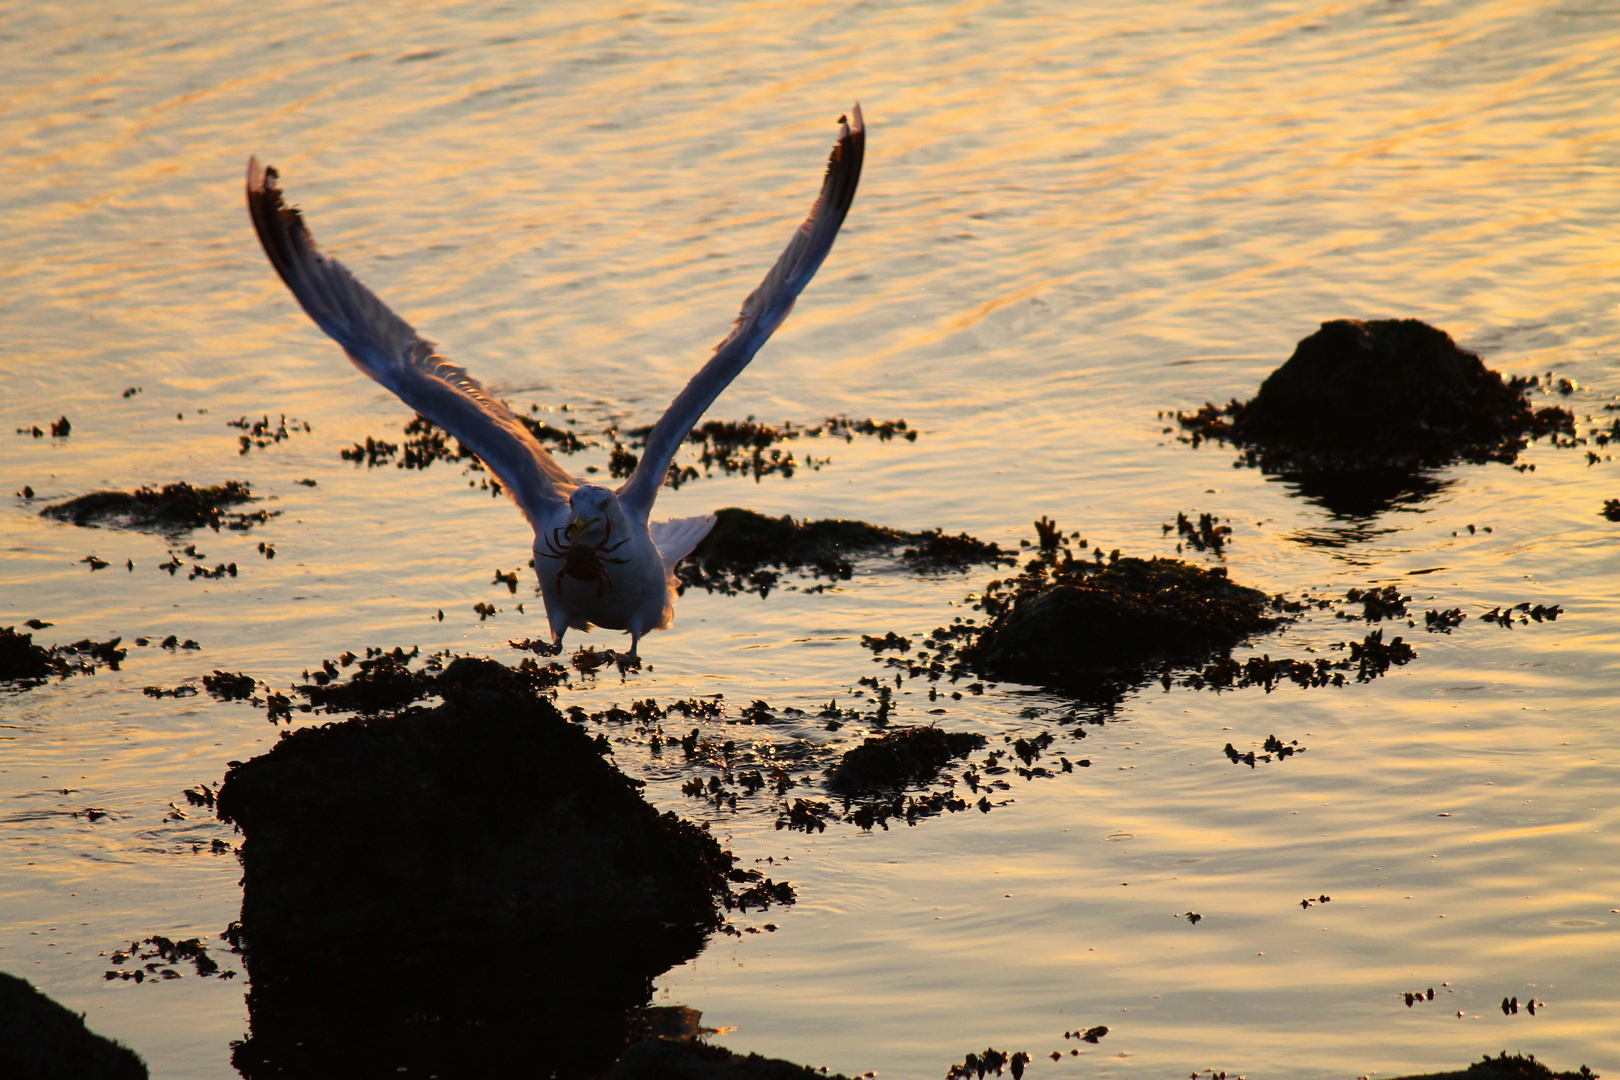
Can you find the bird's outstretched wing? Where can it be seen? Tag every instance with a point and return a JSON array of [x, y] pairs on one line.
[[384, 346], [761, 314]]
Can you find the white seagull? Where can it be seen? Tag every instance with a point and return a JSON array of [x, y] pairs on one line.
[[599, 561]]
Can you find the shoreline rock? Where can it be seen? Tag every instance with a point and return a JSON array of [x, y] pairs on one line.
[[42, 1040], [468, 890]]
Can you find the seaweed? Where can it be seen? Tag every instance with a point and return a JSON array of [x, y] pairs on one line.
[[26, 664], [898, 758], [174, 508], [748, 552]]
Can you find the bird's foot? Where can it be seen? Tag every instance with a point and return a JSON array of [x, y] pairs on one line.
[[535, 645]]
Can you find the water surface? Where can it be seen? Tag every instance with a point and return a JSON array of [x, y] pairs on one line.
[[1073, 216]]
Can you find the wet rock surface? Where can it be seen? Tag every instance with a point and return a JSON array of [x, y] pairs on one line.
[[1362, 408], [1100, 624], [41, 1040], [898, 758], [174, 508], [468, 891], [750, 552]]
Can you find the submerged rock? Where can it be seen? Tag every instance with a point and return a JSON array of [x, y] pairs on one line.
[[471, 890], [41, 1040], [173, 508], [1360, 405]]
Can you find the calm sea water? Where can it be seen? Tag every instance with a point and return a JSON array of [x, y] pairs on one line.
[[1074, 215]]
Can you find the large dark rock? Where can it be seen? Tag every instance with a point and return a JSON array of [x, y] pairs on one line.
[[40, 1040], [1361, 407], [466, 891]]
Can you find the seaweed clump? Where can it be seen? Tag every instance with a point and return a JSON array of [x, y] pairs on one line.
[[28, 664], [748, 551], [465, 890], [898, 758], [1103, 625], [41, 1040], [1363, 408], [170, 509]]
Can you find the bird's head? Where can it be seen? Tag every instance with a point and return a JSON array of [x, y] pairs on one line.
[[593, 514]]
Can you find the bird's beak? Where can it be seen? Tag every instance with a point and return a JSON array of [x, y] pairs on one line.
[[576, 529]]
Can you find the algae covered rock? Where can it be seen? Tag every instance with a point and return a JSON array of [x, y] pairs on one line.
[[898, 758], [749, 552], [1102, 625], [1361, 404], [41, 1040], [170, 509], [467, 889]]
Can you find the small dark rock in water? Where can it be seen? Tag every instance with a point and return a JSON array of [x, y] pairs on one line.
[[1085, 625], [467, 890], [40, 1040], [734, 557], [1362, 404], [1508, 1067], [174, 508], [748, 552], [897, 758], [666, 1059]]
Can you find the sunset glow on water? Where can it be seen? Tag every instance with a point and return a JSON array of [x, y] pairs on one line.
[[1073, 217]]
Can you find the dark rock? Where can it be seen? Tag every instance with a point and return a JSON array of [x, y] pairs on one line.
[[738, 552], [1083, 625], [40, 1040], [1361, 407], [664, 1059], [171, 509], [1507, 1067], [898, 758], [747, 551], [470, 890]]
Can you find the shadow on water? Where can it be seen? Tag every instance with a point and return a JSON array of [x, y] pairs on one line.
[[468, 890], [1355, 498]]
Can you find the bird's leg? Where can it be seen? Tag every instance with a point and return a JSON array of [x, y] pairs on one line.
[[630, 660]]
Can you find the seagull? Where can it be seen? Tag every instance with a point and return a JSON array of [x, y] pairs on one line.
[[598, 559]]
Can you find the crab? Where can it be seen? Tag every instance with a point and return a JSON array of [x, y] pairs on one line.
[[584, 562]]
